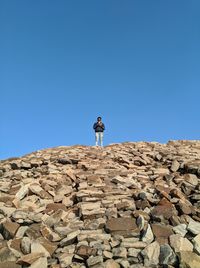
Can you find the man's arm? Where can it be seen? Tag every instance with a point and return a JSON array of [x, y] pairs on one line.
[[95, 126], [103, 126]]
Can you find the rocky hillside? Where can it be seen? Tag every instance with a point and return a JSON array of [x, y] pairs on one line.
[[126, 205]]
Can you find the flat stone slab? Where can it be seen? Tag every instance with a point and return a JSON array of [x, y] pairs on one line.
[[121, 224]]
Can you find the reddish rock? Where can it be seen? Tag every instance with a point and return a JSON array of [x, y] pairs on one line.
[[162, 232], [85, 252], [123, 226], [15, 244], [164, 210]]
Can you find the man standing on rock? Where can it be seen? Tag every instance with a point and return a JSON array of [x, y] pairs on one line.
[[99, 128]]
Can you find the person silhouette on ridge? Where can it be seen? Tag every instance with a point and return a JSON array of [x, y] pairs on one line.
[[99, 128]]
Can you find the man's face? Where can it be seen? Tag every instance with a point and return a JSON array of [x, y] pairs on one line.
[[99, 119]]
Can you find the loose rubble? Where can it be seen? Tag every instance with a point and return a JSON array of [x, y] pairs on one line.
[[125, 205]]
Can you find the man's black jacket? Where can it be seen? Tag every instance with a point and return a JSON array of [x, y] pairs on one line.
[[98, 128]]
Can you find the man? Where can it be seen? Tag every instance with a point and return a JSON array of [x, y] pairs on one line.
[[99, 129]]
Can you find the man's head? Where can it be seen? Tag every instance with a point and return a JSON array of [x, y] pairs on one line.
[[99, 119]]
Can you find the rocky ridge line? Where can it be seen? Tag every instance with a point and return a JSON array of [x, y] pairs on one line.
[[126, 205]]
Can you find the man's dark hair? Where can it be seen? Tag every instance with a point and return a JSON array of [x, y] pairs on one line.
[[99, 118]]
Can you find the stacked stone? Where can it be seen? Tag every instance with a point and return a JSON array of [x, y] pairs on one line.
[[126, 205]]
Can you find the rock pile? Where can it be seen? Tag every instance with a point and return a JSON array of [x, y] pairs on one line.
[[126, 205]]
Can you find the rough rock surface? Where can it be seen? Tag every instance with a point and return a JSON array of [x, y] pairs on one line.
[[124, 205]]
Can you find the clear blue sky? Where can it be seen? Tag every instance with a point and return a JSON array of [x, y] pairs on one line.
[[63, 63]]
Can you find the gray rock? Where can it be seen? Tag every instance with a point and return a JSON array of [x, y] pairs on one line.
[[167, 255], [23, 191], [180, 229], [7, 211], [119, 252], [26, 245], [140, 222], [151, 254], [107, 254], [196, 243], [192, 179], [148, 235], [133, 252], [94, 260], [142, 196], [6, 255], [64, 161], [194, 227], [70, 238], [124, 263], [21, 231]]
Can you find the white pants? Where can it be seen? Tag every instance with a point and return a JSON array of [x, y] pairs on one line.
[[99, 136]]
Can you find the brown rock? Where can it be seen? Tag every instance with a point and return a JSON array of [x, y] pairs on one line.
[[9, 264], [9, 229], [122, 226], [16, 244], [30, 258], [142, 204], [86, 251], [164, 210], [49, 246], [163, 191], [52, 207], [82, 209], [161, 233], [49, 234], [38, 190], [184, 208], [33, 231]]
